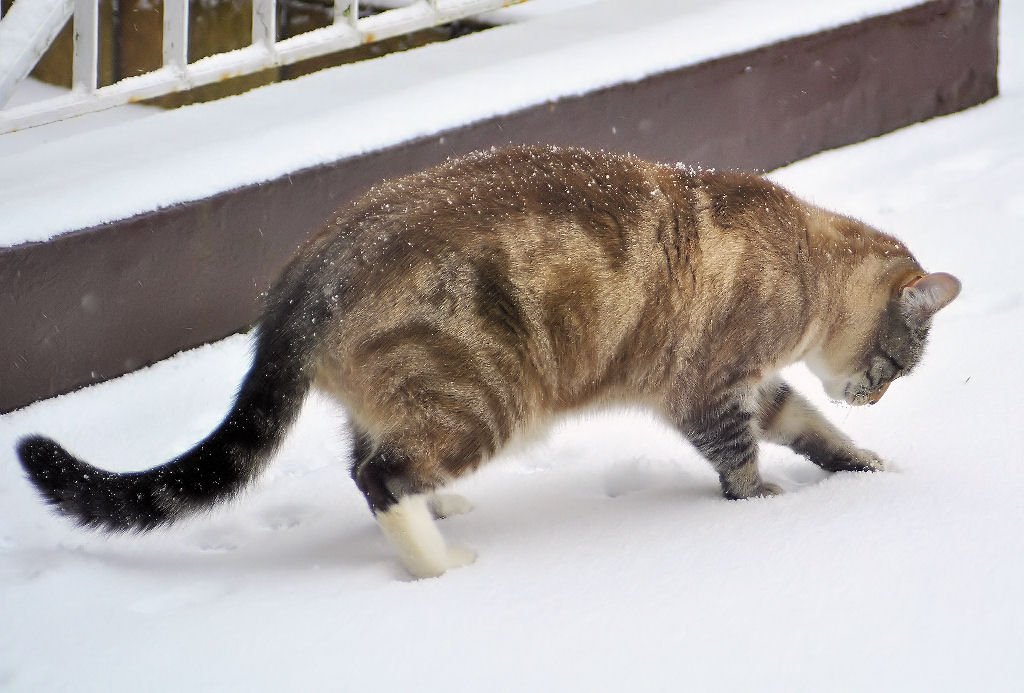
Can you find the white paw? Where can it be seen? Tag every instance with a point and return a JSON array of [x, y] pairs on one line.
[[448, 504], [459, 556], [454, 557]]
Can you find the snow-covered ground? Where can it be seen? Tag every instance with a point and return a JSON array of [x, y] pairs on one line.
[[607, 558]]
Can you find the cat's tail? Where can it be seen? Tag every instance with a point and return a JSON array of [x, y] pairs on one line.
[[216, 469]]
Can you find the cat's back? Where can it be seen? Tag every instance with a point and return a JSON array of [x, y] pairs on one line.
[[493, 188], [536, 207]]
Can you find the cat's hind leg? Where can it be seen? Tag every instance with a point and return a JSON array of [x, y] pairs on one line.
[[410, 528], [786, 418], [401, 505]]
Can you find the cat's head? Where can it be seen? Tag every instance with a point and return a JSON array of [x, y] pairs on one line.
[[864, 353]]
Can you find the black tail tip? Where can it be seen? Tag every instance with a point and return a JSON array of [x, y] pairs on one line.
[[31, 446], [88, 496], [38, 454], [50, 468]]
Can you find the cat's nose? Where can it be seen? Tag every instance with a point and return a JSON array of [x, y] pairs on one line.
[[877, 394]]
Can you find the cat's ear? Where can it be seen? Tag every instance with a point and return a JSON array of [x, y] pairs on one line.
[[926, 295]]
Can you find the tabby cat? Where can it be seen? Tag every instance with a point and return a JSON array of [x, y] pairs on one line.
[[452, 311]]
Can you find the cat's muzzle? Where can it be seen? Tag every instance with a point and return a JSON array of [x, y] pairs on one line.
[[862, 397]]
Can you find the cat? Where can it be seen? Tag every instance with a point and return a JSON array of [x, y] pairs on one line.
[[460, 308]]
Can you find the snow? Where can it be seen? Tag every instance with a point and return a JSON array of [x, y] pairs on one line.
[[607, 559], [193, 152]]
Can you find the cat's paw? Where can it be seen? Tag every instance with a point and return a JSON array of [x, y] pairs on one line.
[[762, 489], [858, 460], [872, 462], [421, 567], [460, 556], [444, 505]]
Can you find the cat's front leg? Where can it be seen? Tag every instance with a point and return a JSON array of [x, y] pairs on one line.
[[725, 434], [786, 418]]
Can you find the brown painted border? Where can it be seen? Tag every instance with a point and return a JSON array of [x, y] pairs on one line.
[[99, 302]]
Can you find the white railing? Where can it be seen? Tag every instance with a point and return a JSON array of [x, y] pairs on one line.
[[30, 26]]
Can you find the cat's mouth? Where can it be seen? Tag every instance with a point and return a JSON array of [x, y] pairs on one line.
[[862, 396]]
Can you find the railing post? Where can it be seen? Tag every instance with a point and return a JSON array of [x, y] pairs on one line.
[[29, 27], [346, 11], [264, 23], [84, 68], [176, 34]]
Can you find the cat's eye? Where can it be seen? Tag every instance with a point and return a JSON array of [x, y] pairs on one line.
[[883, 369], [897, 365]]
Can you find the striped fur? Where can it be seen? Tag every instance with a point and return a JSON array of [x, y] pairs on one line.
[[458, 309]]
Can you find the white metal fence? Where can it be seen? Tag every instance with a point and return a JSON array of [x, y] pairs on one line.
[[30, 26]]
